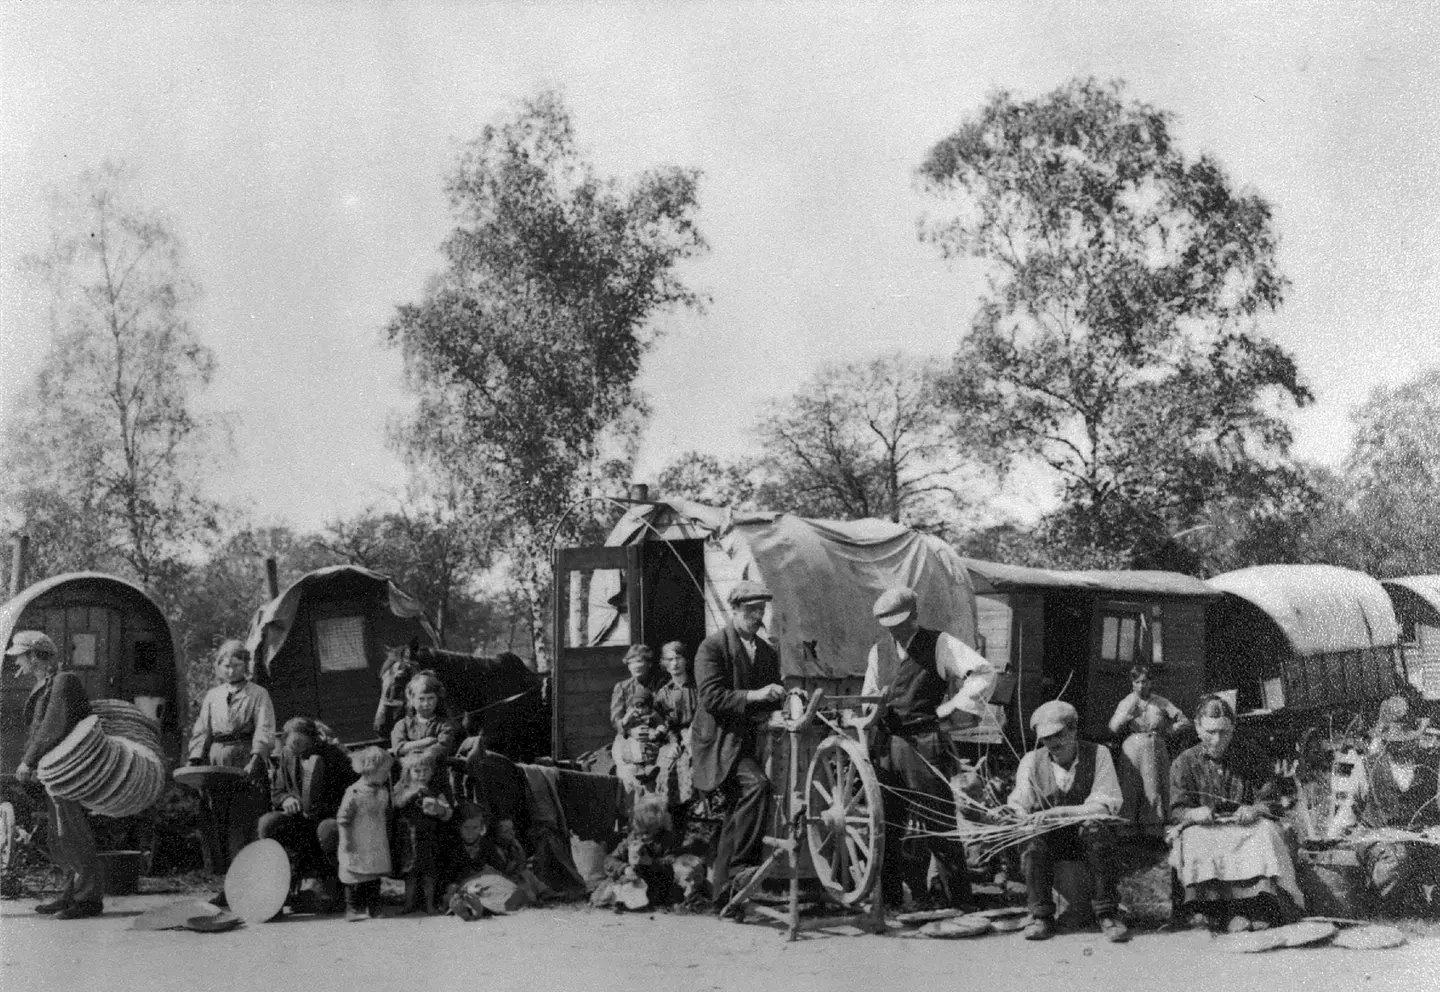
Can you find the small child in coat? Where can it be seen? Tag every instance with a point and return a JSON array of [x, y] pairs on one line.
[[423, 804], [364, 822]]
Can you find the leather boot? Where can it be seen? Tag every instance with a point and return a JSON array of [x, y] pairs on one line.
[[412, 894], [427, 892]]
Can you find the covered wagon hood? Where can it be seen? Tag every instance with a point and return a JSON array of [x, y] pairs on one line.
[[1321, 609], [271, 624], [10, 612], [989, 576]]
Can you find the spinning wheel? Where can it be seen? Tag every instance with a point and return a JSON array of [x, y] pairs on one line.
[[844, 821]]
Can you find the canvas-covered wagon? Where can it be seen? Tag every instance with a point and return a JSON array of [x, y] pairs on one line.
[[1075, 635], [319, 646], [668, 565], [1291, 640], [110, 632], [1416, 599]]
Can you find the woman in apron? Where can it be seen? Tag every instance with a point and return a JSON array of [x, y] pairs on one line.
[[234, 729]]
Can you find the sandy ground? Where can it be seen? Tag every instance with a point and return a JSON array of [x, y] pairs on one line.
[[581, 949]]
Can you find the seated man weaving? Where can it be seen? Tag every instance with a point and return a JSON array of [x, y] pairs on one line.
[[1396, 797], [1227, 848], [1066, 778]]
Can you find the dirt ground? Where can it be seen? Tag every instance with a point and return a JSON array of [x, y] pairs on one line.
[[562, 949]]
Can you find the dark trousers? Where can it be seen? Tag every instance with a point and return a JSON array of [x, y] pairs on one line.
[[313, 845], [742, 835], [72, 847], [363, 897], [1093, 844], [232, 809], [905, 763]]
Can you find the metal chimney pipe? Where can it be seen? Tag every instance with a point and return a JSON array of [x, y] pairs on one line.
[[639, 492], [272, 576], [19, 551]]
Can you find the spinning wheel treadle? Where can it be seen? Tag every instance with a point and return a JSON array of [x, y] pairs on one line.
[[844, 822]]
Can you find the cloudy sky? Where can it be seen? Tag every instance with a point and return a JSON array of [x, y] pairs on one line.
[[299, 151]]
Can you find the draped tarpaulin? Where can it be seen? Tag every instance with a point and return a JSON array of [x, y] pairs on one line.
[[825, 576]]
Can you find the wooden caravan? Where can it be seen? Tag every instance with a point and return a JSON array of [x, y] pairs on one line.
[[1416, 599], [668, 566], [318, 647], [1290, 639], [110, 632], [1075, 635]]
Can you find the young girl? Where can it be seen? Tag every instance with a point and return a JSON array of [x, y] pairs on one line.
[[234, 729], [363, 819], [422, 803], [675, 703], [425, 726]]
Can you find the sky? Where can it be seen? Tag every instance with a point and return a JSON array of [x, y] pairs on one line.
[[299, 151]]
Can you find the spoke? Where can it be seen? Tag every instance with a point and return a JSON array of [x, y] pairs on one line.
[[853, 850], [863, 821], [859, 837], [825, 793]]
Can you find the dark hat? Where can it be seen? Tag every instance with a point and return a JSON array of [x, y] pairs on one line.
[[895, 606], [32, 640], [746, 591]]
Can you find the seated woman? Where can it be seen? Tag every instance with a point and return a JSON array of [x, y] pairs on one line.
[[1228, 850], [306, 787], [675, 702], [637, 726], [1144, 767], [425, 726]]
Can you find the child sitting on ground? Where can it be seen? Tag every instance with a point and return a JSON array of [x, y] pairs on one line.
[[363, 820], [640, 871], [422, 805]]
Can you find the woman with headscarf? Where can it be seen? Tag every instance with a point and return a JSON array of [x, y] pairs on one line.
[[1147, 719], [1231, 856], [235, 728]]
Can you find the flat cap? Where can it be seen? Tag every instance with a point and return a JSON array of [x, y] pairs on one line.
[[747, 591], [1053, 717], [895, 606], [32, 640]]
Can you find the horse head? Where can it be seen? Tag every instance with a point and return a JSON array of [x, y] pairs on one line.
[[401, 664]]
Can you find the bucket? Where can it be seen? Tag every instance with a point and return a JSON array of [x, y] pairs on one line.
[[120, 871], [1333, 883]]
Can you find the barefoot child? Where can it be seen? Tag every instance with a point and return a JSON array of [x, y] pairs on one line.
[[363, 819]]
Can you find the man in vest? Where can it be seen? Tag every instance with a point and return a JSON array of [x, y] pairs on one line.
[[1399, 788], [56, 704], [737, 685], [918, 666], [1067, 774]]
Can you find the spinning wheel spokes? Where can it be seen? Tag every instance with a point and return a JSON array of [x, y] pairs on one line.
[[845, 826]]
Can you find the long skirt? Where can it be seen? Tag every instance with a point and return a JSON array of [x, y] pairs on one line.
[[1228, 861], [1145, 782]]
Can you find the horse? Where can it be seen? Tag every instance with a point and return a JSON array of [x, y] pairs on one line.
[[498, 697]]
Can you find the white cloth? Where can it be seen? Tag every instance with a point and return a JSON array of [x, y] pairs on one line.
[[963, 667], [1229, 852]]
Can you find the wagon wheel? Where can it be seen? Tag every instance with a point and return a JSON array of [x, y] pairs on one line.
[[844, 823]]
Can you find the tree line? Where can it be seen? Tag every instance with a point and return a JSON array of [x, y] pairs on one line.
[[1115, 369]]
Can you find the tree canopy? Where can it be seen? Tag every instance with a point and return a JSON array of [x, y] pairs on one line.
[[1117, 340], [524, 351], [106, 452]]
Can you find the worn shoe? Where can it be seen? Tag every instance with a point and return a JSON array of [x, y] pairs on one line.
[[52, 907], [1238, 924], [1259, 924], [1113, 930], [1039, 930], [80, 910], [354, 914]]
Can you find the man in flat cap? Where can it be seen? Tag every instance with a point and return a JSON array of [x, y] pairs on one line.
[[737, 678], [918, 666], [1067, 776], [56, 704]]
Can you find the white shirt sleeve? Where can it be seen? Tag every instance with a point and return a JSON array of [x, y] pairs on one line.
[[1023, 798], [1105, 790], [872, 673], [970, 670]]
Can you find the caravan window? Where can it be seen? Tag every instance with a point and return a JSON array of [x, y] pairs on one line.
[[599, 604], [1130, 634], [340, 643]]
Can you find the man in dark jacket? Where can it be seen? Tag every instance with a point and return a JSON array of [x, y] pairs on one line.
[[306, 787], [56, 704], [737, 677]]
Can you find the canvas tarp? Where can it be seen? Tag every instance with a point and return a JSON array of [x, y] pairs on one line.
[[1427, 587], [1321, 609], [272, 621], [990, 576], [825, 576]]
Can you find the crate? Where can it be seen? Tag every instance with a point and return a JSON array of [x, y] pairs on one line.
[[120, 871]]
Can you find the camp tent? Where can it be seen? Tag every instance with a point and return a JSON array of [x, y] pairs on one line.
[[1417, 608], [1299, 637], [319, 645], [110, 632], [668, 566]]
